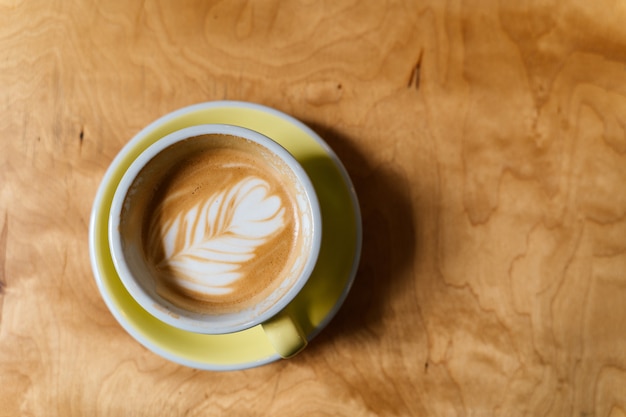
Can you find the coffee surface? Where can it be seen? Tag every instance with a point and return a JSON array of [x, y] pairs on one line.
[[220, 229]]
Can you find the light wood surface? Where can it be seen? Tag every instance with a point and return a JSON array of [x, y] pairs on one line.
[[487, 143]]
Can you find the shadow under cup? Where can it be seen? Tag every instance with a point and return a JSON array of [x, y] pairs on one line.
[[210, 213]]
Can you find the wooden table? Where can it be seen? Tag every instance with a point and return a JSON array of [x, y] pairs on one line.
[[486, 141]]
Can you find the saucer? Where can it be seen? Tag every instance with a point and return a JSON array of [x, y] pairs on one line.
[[315, 305]]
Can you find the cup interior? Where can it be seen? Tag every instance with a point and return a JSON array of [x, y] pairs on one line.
[[132, 246]]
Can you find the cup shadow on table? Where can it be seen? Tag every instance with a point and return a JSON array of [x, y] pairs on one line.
[[389, 242]]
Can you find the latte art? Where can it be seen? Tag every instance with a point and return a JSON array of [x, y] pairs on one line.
[[218, 223], [205, 248]]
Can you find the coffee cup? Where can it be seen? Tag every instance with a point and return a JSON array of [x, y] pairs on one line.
[[215, 229]]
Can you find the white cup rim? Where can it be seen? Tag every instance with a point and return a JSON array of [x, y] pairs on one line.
[[170, 313]]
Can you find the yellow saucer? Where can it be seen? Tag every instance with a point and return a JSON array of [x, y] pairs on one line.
[[314, 306]]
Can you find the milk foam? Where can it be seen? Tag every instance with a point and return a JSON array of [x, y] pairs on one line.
[[217, 223], [205, 247]]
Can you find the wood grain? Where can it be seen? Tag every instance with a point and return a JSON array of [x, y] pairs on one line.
[[486, 140]]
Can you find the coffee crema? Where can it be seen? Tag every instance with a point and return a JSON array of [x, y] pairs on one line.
[[220, 228]]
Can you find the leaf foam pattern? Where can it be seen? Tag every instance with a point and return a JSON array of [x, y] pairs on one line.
[[205, 247]]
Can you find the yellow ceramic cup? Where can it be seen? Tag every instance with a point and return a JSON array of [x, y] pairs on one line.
[[232, 227]]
